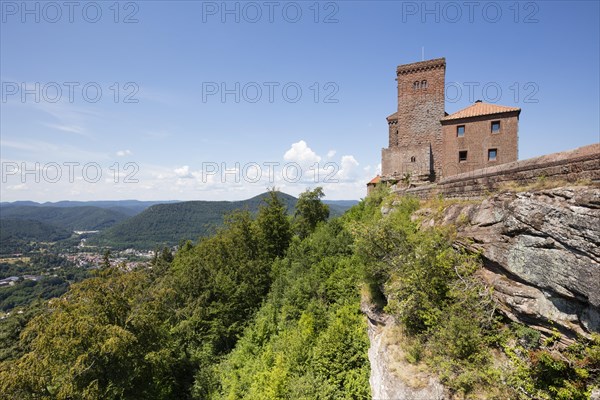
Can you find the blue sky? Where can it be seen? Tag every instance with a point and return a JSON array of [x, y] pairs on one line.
[[162, 66]]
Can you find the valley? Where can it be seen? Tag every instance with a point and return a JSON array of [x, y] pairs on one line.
[[46, 247]]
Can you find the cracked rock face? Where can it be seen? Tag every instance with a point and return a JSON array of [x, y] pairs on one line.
[[392, 377], [541, 253]]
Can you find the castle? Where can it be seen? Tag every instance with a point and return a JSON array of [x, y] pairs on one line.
[[427, 144]]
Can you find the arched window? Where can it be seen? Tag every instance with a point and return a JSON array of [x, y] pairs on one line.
[[413, 159], [416, 85], [423, 84]]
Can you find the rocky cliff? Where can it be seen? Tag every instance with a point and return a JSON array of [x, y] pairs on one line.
[[392, 377], [541, 256], [541, 253]]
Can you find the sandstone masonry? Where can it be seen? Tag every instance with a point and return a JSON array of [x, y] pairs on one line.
[[581, 164], [426, 144]]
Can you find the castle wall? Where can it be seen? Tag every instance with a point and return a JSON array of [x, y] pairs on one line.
[[398, 160], [582, 164]]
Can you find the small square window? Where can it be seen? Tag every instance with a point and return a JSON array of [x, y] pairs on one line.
[[492, 154], [460, 131], [495, 126], [462, 156]]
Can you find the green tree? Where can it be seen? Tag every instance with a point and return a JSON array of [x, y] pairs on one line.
[[308, 341], [220, 283], [166, 255], [106, 259], [274, 225], [106, 339], [310, 210]]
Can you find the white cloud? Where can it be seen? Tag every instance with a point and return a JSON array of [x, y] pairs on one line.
[[67, 128], [157, 134], [20, 145], [301, 154], [348, 168], [49, 151], [68, 117], [21, 186], [207, 182], [183, 172]]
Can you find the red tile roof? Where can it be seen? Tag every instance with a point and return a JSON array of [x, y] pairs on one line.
[[375, 180], [480, 108]]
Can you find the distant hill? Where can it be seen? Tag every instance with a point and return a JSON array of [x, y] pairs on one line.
[[14, 233], [70, 218], [128, 207], [139, 224], [338, 207], [168, 224]]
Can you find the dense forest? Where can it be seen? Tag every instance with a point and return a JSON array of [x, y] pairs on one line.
[[171, 223], [268, 307], [16, 235], [69, 218], [123, 224]]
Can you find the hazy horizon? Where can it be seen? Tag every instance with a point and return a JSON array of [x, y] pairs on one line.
[[325, 199]]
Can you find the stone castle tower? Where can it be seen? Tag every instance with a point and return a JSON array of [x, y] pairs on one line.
[[415, 131], [426, 144]]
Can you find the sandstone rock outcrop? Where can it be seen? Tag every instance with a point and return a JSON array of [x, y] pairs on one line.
[[392, 377], [541, 252], [541, 255]]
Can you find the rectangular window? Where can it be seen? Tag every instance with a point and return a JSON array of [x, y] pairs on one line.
[[492, 153], [462, 156], [495, 126], [460, 131]]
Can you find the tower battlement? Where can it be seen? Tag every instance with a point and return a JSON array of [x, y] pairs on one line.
[[421, 66]]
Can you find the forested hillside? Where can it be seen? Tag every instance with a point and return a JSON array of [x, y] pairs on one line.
[[269, 307], [169, 224], [127, 223], [15, 234], [70, 218]]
